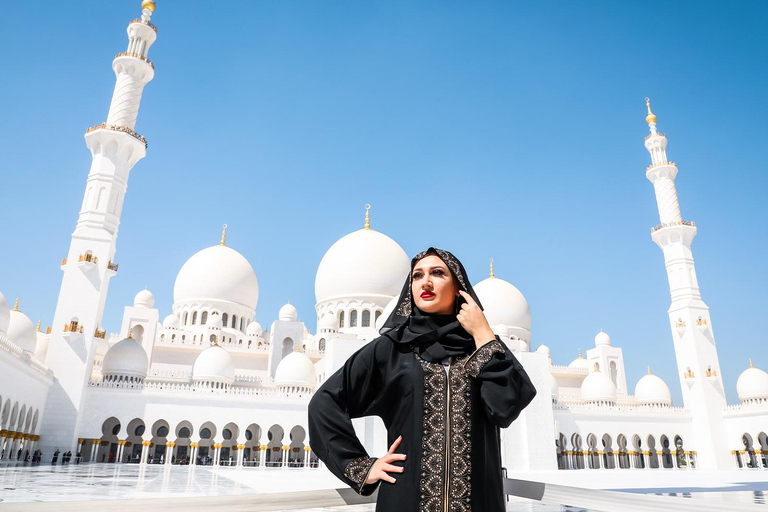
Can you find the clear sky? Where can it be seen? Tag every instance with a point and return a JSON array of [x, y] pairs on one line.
[[493, 129]]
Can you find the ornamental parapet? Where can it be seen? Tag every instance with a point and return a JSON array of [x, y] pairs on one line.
[[73, 327], [116, 128], [659, 134], [100, 334], [16, 351], [144, 22], [90, 258], [136, 56], [670, 224], [112, 266], [662, 164]]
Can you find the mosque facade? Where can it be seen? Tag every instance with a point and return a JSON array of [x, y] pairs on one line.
[[209, 384]]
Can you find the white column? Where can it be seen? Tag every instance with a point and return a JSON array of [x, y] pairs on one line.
[[94, 449], [168, 453], [240, 454], [144, 452], [286, 454]]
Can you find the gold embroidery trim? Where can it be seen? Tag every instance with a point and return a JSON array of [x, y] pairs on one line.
[[358, 470], [481, 356]]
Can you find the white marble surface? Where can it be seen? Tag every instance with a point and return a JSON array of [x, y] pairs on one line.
[[80, 484]]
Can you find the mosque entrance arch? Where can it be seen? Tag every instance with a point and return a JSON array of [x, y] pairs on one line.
[[275, 436], [133, 440], [578, 453], [639, 457], [653, 457], [749, 459], [621, 440], [160, 431], [296, 456], [252, 445], [594, 457], [287, 346], [183, 442], [228, 452], [608, 460], [108, 446], [205, 451], [762, 440]]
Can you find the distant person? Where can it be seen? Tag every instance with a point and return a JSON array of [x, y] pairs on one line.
[[443, 384], [55, 456]]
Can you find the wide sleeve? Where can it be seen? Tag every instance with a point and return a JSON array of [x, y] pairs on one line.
[[355, 390], [505, 388]]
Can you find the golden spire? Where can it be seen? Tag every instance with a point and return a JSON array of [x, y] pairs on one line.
[[580, 357], [130, 333], [649, 370], [148, 4], [38, 325], [492, 268], [597, 367], [16, 306], [367, 216], [750, 363], [650, 118], [224, 235]]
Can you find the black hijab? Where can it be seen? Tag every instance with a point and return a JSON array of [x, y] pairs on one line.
[[434, 337]]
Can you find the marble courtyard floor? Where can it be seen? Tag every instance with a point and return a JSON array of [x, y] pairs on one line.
[[189, 488]]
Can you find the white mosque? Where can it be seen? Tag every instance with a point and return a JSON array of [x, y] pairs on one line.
[[209, 384]]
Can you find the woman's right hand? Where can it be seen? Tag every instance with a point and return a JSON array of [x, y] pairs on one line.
[[382, 466]]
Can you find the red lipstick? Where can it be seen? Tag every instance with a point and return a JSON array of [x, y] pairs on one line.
[[427, 295]]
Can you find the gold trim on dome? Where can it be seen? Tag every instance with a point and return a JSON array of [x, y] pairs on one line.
[[750, 363], [367, 217], [492, 275], [16, 306], [224, 235]]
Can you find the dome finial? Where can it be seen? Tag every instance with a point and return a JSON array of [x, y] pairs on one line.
[[16, 306], [650, 118], [580, 357], [750, 363], [492, 275], [224, 235], [130, 333], [38, 325], [367, 216], [649, 370], [148, 4]]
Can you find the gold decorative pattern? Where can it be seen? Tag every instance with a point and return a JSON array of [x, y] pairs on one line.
[[446, 444], [358, 470], [481, 356]]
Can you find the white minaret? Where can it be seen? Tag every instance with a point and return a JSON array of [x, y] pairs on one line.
[[694, 340], [89, 264]]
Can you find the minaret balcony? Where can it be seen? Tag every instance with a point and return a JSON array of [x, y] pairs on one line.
[[124, 129], [87, 262], [98, 333], [73, 327], [661, 164], [136, 56], [658, 134], [670, 224], [144, 22], [63, 263], [112, 268]]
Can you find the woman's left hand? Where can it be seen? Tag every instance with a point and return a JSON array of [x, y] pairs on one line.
[[473, 321]]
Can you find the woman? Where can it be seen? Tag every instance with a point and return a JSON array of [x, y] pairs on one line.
[[442, 383]]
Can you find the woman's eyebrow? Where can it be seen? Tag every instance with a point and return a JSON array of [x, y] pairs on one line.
[[431, 268]]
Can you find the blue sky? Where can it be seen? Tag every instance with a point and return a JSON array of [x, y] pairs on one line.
[[493, 129]]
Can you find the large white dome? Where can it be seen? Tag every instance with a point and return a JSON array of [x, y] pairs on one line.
[[21, 331], [217, 273], [752, 384], [254, 328], [652, 390], [296, 369], [214, 364], [126, 357], [5, 314], [361, 264], [503, 303], [288, 313], [579, 363], [144, 299], [329, 322], [598, 387], [171, 322]]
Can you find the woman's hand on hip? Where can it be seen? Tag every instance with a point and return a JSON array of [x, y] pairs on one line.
[[473, 320], [382, 466]]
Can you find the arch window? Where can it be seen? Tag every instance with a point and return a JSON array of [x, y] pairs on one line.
[[194, 317], [204, 318], [322, 344], [139, 431], [376, 316], [341, 319], [184, 432], [162, 431], [205, 433], [186, 318], [224, 318], [242, 323], [366, 320], [234, 321], [227, 434], [353, 318]]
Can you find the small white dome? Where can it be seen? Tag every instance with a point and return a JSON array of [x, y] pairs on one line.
[[328, 322], [21, 331], [579, 363], [171, 322], [288, 313], [127, 358], [214, 364], [5, 314], [602, 338], [363, 263], [214, 320], [144, 299], [651, 390], [296, 369], [553, 387], [503, 303], [254, 328], [388, 309], [217, 273], [502, 330], [598, 387], [543, 349], [752, 384]]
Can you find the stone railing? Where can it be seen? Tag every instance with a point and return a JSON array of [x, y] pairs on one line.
[[191, 388], [115, 128], [658, 134], [16, 351], [669, 224], [165, 339], [555, 368], [662, 164], [624, 408], [136, 384], [759, 405]]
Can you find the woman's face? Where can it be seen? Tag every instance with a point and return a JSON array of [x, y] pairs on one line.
[[433, 287]]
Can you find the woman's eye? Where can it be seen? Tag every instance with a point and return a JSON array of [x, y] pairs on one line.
[[417, 275], [438, 272]]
